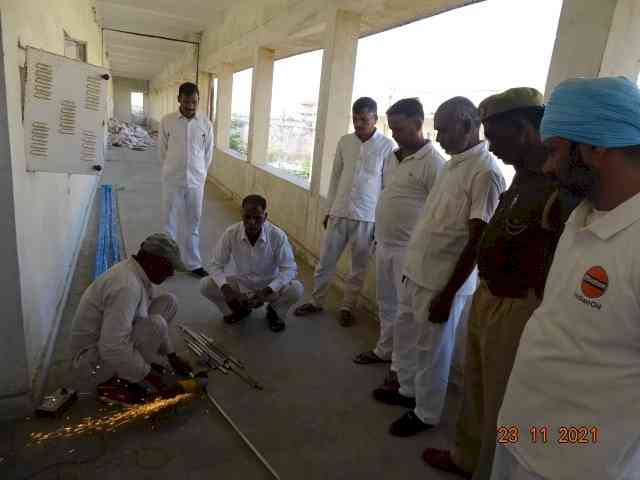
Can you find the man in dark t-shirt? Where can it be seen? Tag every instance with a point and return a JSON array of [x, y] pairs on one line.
[[514, 255]]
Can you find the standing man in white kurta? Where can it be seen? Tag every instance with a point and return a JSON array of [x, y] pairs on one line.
[[186, 146], [356, 182], [408, 176], [440, 273], [573, 398]]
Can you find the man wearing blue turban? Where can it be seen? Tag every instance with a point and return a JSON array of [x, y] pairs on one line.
[[574, 392]]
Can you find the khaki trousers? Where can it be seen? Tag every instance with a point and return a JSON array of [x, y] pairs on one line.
[[494, 330]]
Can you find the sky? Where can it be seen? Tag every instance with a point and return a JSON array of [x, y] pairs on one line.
[[473, 51]]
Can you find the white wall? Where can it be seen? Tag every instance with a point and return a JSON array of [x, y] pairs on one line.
[[122, 88], [50, 209]]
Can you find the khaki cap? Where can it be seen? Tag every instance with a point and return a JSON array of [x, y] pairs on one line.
[[163, 246], [512, 99]]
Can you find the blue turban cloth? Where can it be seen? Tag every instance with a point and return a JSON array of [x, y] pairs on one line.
[[603, 112]]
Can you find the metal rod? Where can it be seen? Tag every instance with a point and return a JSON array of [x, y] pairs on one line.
[[209, 349], [151, 36], [223, 351], [200, 352], [242, 436]]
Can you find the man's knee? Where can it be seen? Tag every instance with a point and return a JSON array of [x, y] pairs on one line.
[[165, 305], [294, 291], [158, 325], [209, 289]]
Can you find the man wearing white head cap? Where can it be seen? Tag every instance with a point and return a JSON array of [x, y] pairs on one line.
[[573, 396], [122, 327]]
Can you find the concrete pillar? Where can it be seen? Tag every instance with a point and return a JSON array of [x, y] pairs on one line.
[[223, 105], [622, 55], [583, 33], [336, 88], [204, 88], [261, 88]]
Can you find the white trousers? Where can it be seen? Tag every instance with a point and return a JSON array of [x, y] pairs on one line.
[[182, 209], [340, 233], [281, 301], [507, 467], [425, 349], [389, 265], [150, 337]]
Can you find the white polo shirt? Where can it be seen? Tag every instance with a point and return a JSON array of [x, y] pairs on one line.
[[406, 185], [578, 363], [186, 148], [356, 176], [270, 262], [469, 187]]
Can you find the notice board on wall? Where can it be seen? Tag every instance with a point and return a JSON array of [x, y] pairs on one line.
[[64, 117]]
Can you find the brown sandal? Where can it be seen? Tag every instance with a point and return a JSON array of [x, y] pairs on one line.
[[441, 459]]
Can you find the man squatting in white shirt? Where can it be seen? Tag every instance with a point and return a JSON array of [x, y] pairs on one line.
[[573, 397], [253, 264], [440, 273], [356, 181], [121, 326], [186, 148], [408, 176]]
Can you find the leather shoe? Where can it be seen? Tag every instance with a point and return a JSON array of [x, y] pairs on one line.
[[408, 425]]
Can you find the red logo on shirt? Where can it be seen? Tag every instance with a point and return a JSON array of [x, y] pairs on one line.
[[595, 282]]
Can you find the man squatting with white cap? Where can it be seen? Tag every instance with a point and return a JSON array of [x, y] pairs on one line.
[[122, 327], [356, 181], [440, 274], [573, 397]]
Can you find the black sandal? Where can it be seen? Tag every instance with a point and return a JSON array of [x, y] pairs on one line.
[[276, 324]]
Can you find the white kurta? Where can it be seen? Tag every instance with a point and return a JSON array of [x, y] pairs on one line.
[[249, 268], [186, 148], [577, 370], [356, 182], [115, 313], [406, 186], [356, 176]]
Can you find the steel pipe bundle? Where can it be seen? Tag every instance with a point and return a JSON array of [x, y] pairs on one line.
[[211, 353]]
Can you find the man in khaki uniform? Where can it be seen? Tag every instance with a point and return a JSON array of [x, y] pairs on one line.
[[515, 251]]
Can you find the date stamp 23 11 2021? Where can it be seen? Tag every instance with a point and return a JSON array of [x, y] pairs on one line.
[[564, 434]]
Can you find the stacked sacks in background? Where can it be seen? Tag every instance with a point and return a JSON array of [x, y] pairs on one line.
[[124, 134]]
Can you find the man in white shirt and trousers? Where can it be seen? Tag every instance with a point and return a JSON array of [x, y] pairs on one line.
[[252, 265], [123, 327], [186, 147], [408, 176], [439, 269], [356, 182], [573, 397]]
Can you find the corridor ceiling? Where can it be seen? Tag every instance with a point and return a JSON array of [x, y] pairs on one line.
[[303, 28], [140, 57]]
